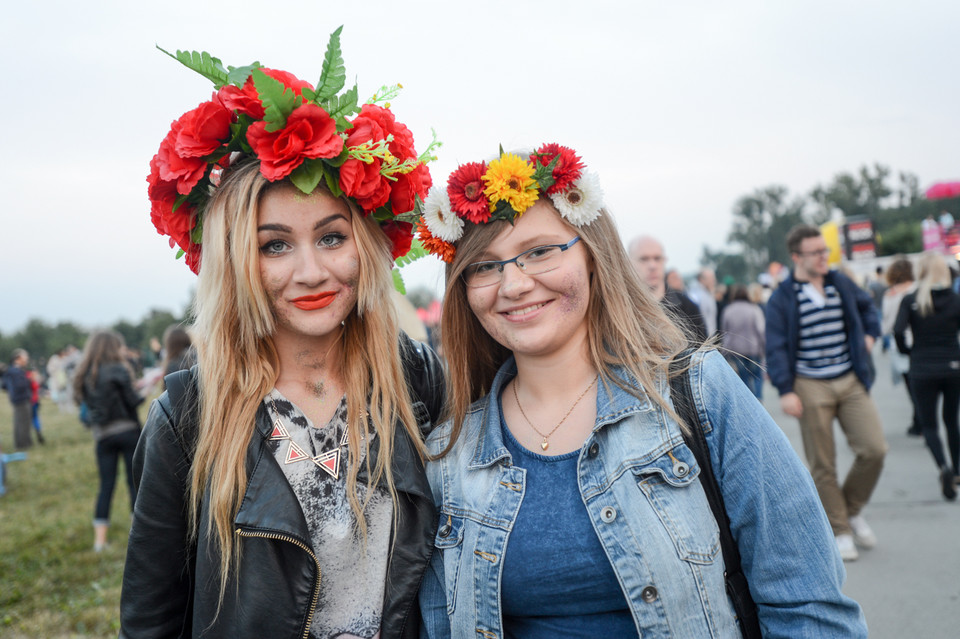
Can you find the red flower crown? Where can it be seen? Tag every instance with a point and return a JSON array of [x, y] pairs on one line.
[[295, 130]]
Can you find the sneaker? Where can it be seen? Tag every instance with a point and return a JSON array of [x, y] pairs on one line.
[[947, 485], [915, 431], [862, 533], [848, 550]]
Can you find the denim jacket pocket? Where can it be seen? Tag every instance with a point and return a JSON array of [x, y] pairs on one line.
[[449, 541], [670, 485]]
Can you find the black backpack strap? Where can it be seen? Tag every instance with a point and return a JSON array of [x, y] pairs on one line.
[[182, 395], [681, 393]]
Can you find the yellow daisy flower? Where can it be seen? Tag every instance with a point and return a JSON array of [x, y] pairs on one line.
[[510, 178]]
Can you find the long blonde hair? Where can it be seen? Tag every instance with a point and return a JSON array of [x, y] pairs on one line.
[[626, 326], [239, 364], [934, 274]]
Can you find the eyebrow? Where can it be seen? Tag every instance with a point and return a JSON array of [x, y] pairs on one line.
[[283, 228]]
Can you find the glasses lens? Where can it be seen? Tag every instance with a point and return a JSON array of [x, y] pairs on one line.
[[540, 259], [482, 274]]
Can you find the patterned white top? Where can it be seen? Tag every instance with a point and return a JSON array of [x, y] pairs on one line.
[[353, 576], [822, 352]]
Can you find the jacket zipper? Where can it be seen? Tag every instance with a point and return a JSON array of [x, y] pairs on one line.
[[296, 542]]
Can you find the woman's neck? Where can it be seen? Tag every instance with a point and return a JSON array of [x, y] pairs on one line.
[[309, 360], [561, 374]]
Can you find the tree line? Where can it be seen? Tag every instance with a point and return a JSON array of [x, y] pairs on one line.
[[42, 339], [761, 220]]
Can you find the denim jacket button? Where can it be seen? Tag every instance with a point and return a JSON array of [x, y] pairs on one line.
[[649, 594], [445, 530], [608, 514], [594, 449]]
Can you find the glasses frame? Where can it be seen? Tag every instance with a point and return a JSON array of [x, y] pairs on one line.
[[502, 264]]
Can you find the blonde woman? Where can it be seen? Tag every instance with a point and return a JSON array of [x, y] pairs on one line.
[[570, 505], [282, 494], [932, 314]]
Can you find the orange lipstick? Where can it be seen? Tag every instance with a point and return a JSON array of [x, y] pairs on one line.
[[314, 302]]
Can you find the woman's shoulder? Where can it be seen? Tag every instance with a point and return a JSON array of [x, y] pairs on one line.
[[439, 439]]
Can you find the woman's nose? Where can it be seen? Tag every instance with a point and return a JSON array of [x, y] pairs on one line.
[[514, 281]]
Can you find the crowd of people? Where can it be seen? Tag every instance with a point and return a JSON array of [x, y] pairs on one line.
[[589, 458]]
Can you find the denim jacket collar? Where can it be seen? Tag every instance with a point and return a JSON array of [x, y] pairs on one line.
[[613, 404]]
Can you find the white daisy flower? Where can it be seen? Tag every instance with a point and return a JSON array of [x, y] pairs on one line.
[[440, 219], [581, 203]]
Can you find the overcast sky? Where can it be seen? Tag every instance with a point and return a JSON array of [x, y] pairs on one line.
[[680, 107]]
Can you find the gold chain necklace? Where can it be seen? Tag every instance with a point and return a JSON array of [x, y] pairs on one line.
[[545, 444]]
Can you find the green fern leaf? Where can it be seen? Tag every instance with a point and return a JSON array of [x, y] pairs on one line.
[[203, 63], [333, 75], [278, 101]]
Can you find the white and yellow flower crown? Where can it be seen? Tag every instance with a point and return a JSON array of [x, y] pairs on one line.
[[478, 193]]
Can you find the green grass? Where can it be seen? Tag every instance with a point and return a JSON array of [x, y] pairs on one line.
[[52, 584]]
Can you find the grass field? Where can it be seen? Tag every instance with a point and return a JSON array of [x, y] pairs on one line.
[[52, 584]]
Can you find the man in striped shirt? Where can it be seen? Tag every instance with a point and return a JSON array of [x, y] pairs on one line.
[[820, 329]]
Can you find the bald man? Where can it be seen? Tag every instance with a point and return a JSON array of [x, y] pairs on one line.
[[650, 261]]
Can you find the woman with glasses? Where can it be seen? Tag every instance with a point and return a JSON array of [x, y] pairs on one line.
[[569, 504]]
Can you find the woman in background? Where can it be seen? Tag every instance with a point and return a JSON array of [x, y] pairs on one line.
[[743, 332], [932, 314], [104, 381], [899, 283]]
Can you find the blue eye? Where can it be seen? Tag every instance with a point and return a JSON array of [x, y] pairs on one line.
[[273, 247], [332, 240]]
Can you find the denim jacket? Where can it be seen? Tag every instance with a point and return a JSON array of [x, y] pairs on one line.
[[641, 487]]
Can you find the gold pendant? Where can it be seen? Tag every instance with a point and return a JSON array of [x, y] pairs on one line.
[[544, 445]]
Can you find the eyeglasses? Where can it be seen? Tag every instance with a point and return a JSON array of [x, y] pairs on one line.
[[821, 253], [535, 261]]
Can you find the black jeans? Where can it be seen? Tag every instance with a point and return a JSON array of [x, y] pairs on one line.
[[109, 450], [926, 392]]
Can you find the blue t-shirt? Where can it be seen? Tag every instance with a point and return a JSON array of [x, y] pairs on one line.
[[557, 582]]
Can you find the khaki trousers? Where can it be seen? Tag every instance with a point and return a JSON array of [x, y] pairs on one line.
[[846, 399]]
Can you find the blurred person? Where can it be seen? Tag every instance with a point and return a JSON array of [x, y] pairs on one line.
[[650, 261], [932, 313], [742, 331], [758, 294], [17, 385], [34, 378], [821, 328], [570, 504], [177, 354], [104, 381], [932, 234], [282, 489], [899, 283], [703, 291], [675, 281]]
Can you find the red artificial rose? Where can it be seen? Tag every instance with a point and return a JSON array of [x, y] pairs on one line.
[[567, 169], [401, 237], [203, 130], [310, 133], [407, 187], [364, 183], [163, 195], [185, 171], [246, 100], [375, 123], [192, 258], [465, 190]]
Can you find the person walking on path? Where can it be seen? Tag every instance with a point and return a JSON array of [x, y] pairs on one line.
[[821, 327], [932, 314], [900, 281], [742, 331], [17, 384]]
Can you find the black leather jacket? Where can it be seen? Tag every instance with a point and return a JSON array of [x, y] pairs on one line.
[[170, 589], [112, 398]]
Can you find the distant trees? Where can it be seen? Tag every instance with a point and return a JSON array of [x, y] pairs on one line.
[[42, 339], [762, 219]]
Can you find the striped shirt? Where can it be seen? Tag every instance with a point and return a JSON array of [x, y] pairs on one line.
[[822, 351]]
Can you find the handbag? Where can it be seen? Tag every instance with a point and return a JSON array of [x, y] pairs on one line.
[[738, 590]]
